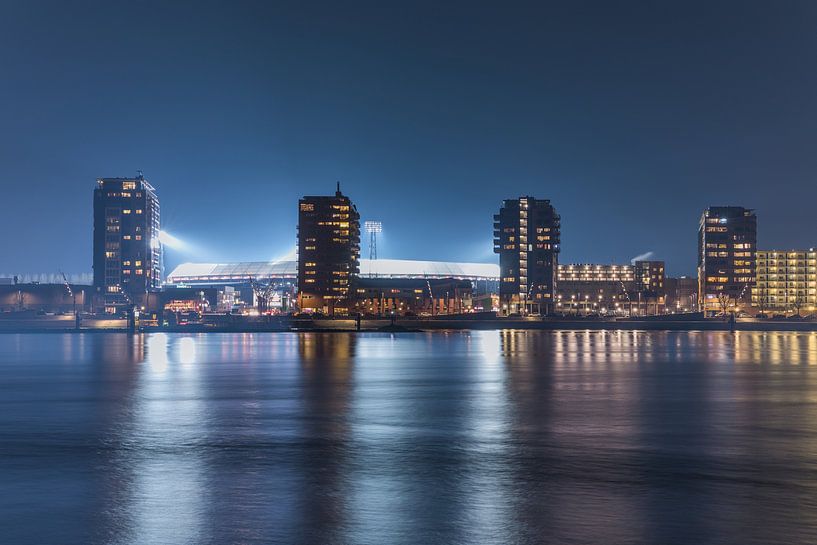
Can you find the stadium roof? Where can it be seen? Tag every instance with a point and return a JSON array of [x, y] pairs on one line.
[[386, 268]]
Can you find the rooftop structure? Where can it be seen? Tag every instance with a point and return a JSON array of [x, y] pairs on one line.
[[211, 273]]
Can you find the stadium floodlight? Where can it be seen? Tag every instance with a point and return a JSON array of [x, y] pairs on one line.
[[373, 227]]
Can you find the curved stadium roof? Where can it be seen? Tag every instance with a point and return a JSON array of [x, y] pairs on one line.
[[384, 268]]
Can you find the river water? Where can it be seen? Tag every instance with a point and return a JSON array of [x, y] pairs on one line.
[[505, 437]]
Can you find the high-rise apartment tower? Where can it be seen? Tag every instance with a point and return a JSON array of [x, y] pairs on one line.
[[526, 237]]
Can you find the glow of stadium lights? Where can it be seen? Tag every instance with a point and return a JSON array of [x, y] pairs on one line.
[[291, 255], [168, 240], [373, 226]]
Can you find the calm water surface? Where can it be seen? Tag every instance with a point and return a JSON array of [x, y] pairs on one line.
[[439, 438]]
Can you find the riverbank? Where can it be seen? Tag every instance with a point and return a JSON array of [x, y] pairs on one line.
[[65, 324]]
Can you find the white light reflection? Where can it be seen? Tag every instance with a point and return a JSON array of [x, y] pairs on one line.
[[488, 426], [157, 352], [187, 350], [167, 499]]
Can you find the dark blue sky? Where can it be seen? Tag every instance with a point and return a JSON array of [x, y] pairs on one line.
[[630, 116]]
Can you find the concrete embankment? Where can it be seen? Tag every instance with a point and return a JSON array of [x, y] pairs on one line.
[[644, 325], [93, 325]]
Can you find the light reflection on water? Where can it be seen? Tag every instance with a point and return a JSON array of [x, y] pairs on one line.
[[447, 437]]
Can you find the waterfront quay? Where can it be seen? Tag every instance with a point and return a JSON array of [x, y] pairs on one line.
[[693, 322]]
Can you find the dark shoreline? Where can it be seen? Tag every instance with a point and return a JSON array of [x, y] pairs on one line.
[[414, 325]]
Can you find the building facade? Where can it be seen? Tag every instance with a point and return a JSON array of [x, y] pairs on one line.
[[64, 298], [328, 253], [727, 242], [412, 296], [610, 289], [681, 294], [127, 252], [786, 281], [649, 276], [527, 236]]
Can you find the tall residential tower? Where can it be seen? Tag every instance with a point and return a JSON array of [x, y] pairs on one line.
[[328, 252], [727, 242], [526, 237], [127, 253]]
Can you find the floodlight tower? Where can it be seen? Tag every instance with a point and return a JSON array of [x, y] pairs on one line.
[[373, 227]]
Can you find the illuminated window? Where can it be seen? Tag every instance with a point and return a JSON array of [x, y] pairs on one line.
[[128, 185], [138, 211], [126, 211], [307, 207]]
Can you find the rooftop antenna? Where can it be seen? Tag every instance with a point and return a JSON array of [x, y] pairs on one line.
[[338, 193], [139, 174]]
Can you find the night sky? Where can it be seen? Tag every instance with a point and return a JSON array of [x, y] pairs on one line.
[[630, 116]]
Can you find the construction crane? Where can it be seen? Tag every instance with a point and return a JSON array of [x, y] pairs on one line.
[[73, 297]]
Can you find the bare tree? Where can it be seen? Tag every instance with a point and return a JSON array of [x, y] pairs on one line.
[[263, 293], [724, 302], [798, 302]]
